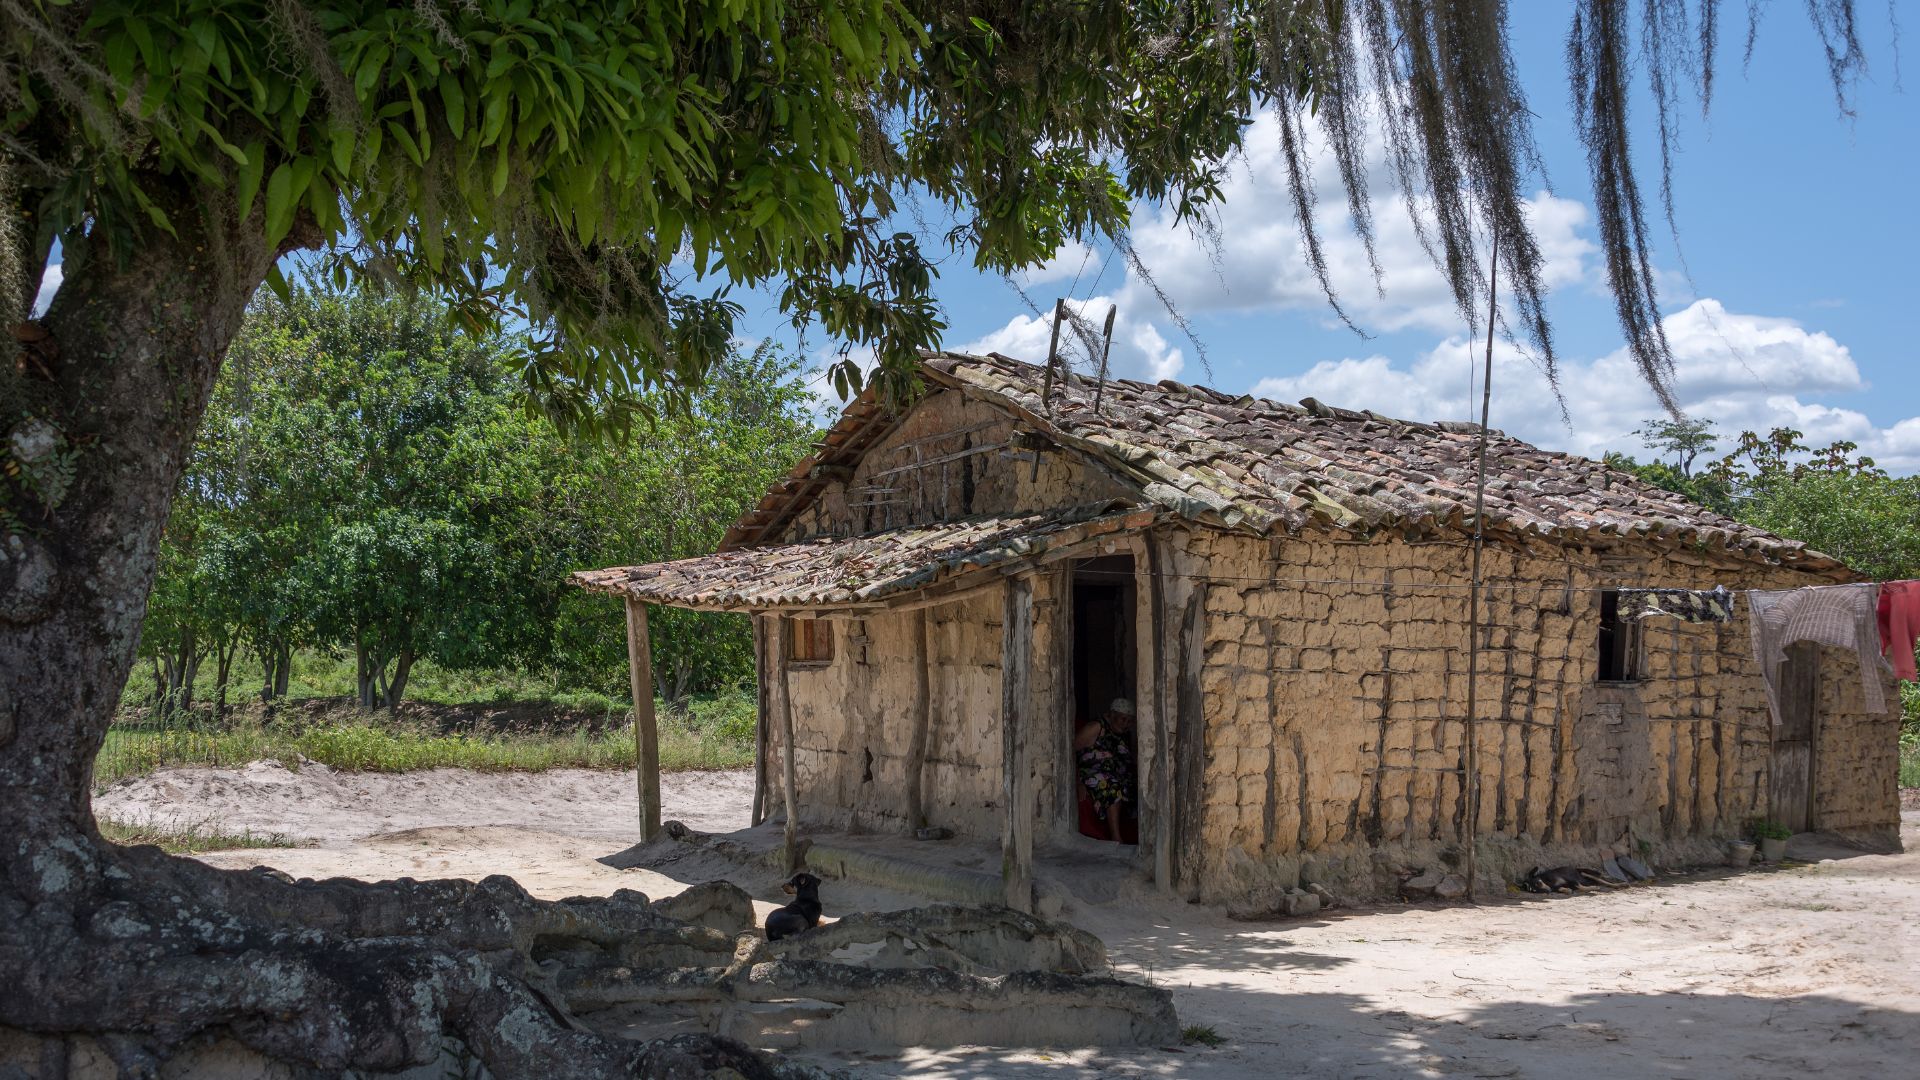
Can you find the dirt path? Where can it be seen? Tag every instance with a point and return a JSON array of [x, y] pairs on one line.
[[1812, 969], [334, 809]]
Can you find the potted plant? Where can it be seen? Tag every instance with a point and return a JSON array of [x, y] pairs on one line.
[[1740, 853], [1773, 838]]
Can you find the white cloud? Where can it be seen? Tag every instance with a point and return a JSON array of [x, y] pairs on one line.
[[1140, 350], [1744, 372], [49, 284], [1260, 265]]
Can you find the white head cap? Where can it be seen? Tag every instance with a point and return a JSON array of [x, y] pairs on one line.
[[1121, 705]]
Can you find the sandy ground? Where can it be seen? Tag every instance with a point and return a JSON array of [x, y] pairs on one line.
[[1771, 973]]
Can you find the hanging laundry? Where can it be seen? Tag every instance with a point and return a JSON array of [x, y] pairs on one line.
[[1688, 605], [1845, 616], [1899, 617]]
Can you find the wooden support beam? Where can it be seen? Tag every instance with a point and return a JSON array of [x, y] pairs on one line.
[[763, 679], [922, 722], [1151, 711], [790, 847], [1016, 722], [646, 735]]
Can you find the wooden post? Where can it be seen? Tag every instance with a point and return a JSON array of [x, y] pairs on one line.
[[646, 735], [922, 721], [1154, 788], [1016, 708], [777, 636], [762, 676]]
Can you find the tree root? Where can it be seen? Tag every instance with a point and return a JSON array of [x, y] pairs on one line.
[[150, 956]]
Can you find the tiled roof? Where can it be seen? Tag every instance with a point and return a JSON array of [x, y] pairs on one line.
[[1253, 464], [842, 571]]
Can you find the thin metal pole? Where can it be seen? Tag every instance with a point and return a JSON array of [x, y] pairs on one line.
[[1472, 786]]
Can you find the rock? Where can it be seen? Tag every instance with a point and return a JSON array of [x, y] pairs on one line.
[[722, 905], [1048, 905], [1305, 903], [1451, 887], [1254, 909], [1421, 886], [1611, 868], [1321, 891], [1636, 869]]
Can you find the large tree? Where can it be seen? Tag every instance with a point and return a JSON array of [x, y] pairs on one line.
[[590, 171]]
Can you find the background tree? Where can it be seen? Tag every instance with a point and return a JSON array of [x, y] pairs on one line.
[[587, 171], [1684, 439]]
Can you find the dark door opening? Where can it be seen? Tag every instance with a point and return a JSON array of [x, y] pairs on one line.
[[1104, 740]]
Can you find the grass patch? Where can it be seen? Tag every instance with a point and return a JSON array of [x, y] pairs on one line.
[[189, 839], [711, 732], [1201, 1035]]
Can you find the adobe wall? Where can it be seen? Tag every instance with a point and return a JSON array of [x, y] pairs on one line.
[[1333, 745], [854, 718], [951, 457]]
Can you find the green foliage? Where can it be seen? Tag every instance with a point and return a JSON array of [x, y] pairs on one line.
[[1830, 498], [1201, 1035], [367, 486], [584, 170], [709, 732], [1704, 488], [1768, 829]]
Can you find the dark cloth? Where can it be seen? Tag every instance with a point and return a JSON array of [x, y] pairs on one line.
[[1106, 767], [1899, 618], [1688, 605]]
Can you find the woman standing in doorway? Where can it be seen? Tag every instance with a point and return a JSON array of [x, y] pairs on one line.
[[1104, 751]]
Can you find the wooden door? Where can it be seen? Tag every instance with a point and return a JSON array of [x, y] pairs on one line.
[[1793, 741]]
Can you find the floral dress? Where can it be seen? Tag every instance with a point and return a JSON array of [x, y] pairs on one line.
[[1106, 768]]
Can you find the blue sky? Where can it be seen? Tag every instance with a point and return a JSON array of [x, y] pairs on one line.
[[1796, 224]]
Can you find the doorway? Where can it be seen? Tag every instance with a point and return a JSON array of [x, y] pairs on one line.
[[1104, 671], [1790, 792]]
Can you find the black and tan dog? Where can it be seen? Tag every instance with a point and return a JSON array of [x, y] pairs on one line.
[[1568, 878], [802, 914]]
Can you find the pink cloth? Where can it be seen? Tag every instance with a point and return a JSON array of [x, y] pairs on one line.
[[1899, 617]]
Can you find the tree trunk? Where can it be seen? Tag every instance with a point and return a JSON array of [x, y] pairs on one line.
[[283, 669], [223, 667], [142, 953], [398, 685], [364, 665]]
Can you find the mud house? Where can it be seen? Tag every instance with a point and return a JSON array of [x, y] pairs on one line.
[[941, 596]]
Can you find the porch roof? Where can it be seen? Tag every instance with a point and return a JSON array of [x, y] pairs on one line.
[[873, 570]]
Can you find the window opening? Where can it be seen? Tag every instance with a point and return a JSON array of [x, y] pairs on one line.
[[809, 641], [1619, 642]]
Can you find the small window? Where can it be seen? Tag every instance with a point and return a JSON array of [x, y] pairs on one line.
[[1619, 642], [809, 641]]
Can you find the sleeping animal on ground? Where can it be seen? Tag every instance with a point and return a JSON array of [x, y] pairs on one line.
[[1568, 878]]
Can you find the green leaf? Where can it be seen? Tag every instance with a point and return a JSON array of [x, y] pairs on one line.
[[278, 283], [500, 171], [455, 100], [279, 203], [343, 139], [247, 184]]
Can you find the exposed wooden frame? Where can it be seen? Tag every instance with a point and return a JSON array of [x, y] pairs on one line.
[[789, 836], [763, 693], [922, 723], [1016, 722], [646, 734]]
